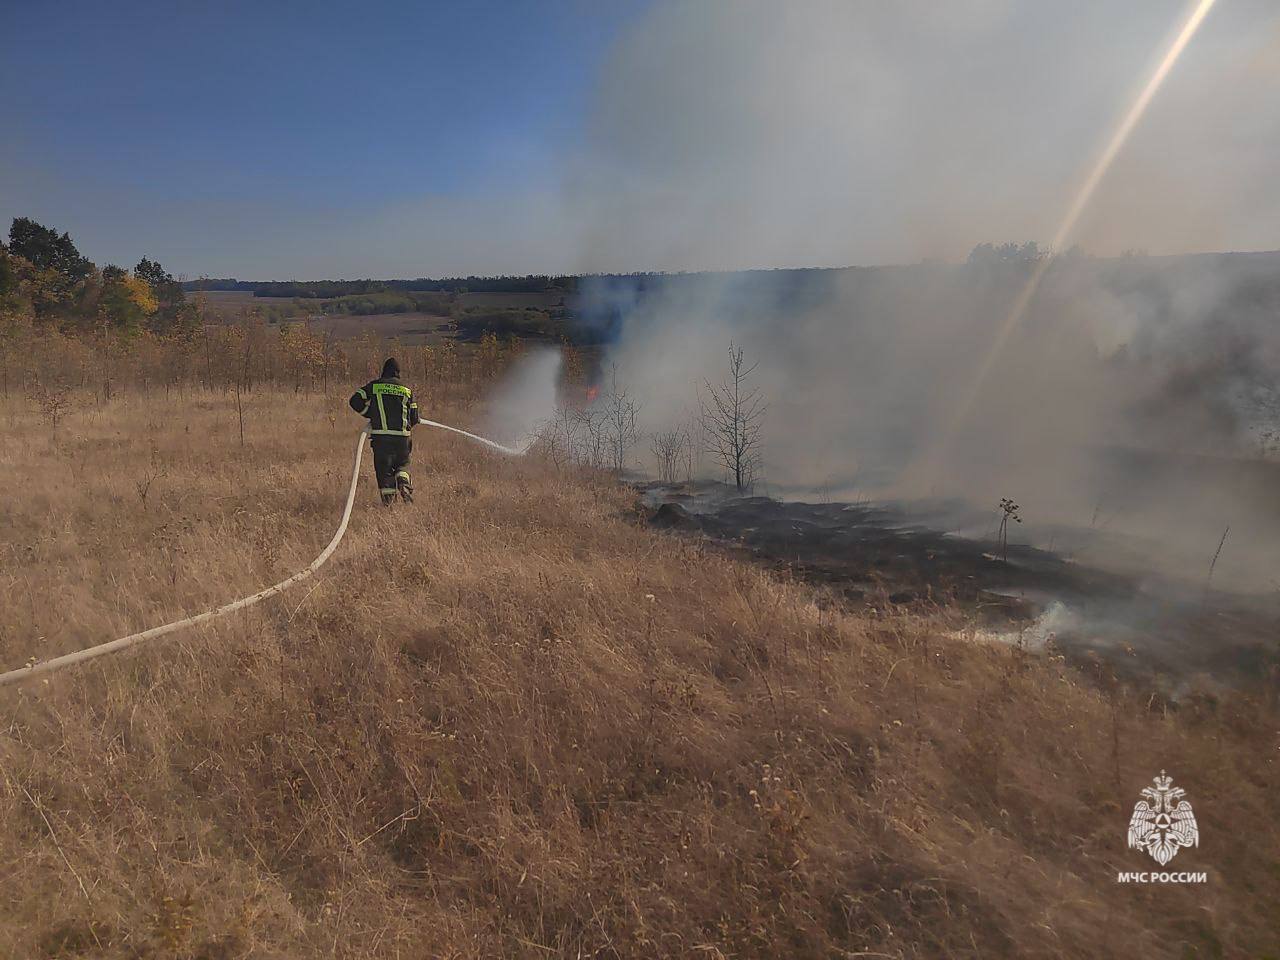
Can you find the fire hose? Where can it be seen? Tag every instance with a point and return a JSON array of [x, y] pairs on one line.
[[112, 646]]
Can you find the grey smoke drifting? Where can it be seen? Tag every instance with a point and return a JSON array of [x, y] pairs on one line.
[[1154, 434], [728, 135]]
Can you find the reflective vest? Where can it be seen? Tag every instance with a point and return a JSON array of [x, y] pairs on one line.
[[389, 405]]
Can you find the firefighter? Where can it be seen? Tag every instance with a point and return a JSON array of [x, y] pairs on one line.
[[392, 413]]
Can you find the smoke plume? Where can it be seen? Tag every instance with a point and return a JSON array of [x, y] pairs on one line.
[[1137, 392]]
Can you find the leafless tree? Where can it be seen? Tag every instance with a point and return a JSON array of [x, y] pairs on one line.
[[150, 476], [732, 417], [619, 424], [559, 439], [244, 381], [669, 449], [592, 445]]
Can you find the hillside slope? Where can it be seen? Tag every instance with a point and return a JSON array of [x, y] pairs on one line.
[[511, 720]]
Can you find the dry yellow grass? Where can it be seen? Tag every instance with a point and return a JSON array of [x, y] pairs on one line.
[[512, 721]]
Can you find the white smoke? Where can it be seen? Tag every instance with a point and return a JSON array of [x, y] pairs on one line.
[[729, 135], [526, 398]]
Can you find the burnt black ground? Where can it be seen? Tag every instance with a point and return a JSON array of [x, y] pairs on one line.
[[1175, 635]]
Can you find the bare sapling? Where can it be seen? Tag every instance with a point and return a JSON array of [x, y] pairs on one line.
[[1217, 553], [54, 402], [561, 438], [732, 418], [1008, 511], [154, 472], [619, 421], [243, 383], [591, 427], [668, 447], [105, 344]]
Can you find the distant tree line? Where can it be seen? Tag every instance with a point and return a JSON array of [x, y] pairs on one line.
[[983, 253], [330, 289], [211, 283], [1028, 252]]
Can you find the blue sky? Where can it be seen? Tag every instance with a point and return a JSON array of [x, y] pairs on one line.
[[162, 107], [265, 98], [390, 138]]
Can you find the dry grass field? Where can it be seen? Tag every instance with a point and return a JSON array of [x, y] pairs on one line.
[[412, 328], [511, 720], [227, 305], [513, 301]]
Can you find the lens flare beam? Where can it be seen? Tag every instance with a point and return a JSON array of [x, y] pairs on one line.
[[1114, 145]]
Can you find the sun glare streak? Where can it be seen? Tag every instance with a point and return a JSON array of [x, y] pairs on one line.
[[1082, 197]]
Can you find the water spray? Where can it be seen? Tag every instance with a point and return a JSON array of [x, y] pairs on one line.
[[510, 451]]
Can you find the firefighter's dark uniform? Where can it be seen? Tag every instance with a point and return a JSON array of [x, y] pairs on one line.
[[392, 413]]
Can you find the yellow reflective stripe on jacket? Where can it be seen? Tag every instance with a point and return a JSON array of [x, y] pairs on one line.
[[395, 390], [365, 397], [385, 403]]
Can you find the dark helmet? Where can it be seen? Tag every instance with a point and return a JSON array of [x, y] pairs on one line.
[[390, 369]]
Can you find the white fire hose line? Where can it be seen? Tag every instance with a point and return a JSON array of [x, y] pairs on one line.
[[90, 653], [512, 451]]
